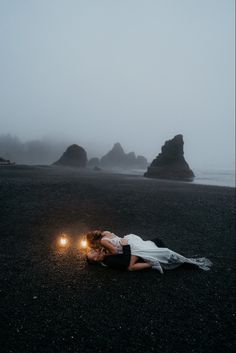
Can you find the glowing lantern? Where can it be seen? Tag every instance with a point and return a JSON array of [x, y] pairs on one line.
[[63, 241], [84, 244]]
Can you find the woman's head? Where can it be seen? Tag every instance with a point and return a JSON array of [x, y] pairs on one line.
[[94, 239], [95, 256]]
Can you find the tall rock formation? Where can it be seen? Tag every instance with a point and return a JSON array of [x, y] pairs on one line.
[[117, 158], [170, 163], [74, 156]]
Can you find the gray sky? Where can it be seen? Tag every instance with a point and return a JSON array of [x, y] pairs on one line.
[[95, 72]]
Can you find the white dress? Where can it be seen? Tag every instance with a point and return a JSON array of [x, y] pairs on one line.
[[115, 240], [150, 252]]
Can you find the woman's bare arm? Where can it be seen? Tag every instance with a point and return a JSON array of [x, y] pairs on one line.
[[108, 246], [137, 266], [106, 233]]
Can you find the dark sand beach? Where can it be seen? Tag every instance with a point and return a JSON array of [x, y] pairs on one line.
[[53, 302]]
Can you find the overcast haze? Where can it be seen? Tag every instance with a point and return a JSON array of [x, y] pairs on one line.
[[133, 71]]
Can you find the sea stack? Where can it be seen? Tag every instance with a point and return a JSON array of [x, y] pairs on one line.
[[94, 162], [114, 158], [74, 156], [170, 163], [117, 158]]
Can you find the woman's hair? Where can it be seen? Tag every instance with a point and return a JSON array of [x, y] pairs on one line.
[[93, 238]]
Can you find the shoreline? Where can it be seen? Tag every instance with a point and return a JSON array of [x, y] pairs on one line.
[[196, 181]]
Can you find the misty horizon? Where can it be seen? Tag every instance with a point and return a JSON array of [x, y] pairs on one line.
[[138, 73], [47, 151]]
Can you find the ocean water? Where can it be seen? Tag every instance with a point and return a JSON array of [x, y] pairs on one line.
[[215, 177], [206, 177]]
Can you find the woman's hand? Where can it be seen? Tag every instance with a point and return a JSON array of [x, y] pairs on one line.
[[124, 242]]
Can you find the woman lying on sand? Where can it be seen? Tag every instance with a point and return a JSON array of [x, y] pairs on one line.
[[108, 248]]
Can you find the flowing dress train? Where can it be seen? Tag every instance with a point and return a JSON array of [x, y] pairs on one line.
[[164, 257]]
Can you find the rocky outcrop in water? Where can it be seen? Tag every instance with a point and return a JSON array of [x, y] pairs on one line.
[[170, 163], [141, 162], [114, 158], [117, 158], [97, 169], [5, 162], [74, 156], [94, 162]]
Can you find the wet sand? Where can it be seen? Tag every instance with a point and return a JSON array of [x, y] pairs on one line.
[[52, 301]]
